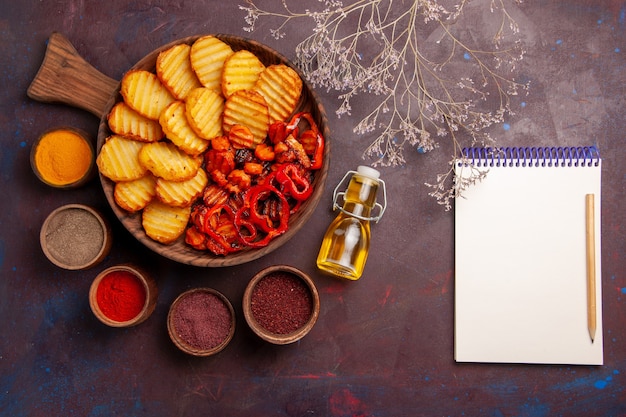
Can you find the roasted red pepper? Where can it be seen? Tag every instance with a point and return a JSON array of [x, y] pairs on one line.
[[213, 219], [293, 182], [250, 216], [256, 196], [279, 131], [246, 231], [318, 154]]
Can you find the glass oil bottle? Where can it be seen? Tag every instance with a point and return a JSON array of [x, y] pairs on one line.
[[346, 243]]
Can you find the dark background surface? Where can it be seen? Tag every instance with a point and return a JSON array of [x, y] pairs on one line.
[[383, 346]]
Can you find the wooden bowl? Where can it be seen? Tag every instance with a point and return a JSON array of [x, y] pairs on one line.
[[67, 78], [150, 296], [75, 237], [286, 287], [194, 307]]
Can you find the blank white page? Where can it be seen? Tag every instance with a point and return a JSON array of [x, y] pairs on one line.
[[520, 266]]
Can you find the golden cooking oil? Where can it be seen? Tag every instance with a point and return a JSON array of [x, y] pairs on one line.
[[346, 243]]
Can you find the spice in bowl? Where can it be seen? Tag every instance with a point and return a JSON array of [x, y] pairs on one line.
[[75, 236], [201, 322], [281, 304], [63, 158], [122, 296]]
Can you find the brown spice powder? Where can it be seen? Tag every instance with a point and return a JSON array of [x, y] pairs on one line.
[[281, 303], [202, 320], [74, 237]]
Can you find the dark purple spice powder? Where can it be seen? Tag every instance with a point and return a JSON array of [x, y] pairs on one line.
[[281, 303], [202, 320]]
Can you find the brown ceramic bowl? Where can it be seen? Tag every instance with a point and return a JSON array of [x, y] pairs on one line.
[[78, 179], [281, 304], [201, 322], [145, 281], [75, 237], [179, 250]]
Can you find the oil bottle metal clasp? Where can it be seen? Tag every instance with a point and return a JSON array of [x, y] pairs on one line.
[[337, 204]]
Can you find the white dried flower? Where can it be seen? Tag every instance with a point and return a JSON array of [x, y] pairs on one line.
[[366, 47]]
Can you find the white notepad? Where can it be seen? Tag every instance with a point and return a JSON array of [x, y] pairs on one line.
[[520, 258]]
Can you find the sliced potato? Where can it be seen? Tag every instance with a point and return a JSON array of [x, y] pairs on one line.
[[241, 72], [144, 93], [247, 108], [177, 128], [198, 97], [118, 159], [164, 223], [166, 161], [173, 67], [181, 193], [281, 86], [204, 109], [125, 121], [134, 195], [207, 57]]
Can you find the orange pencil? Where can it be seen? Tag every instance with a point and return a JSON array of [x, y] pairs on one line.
[[591, 265]]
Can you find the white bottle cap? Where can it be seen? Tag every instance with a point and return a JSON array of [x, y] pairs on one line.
[[368, 172]]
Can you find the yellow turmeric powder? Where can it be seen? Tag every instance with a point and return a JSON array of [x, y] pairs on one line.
[[63, 157]]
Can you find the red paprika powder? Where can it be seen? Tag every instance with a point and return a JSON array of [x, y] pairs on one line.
[[121, 296]]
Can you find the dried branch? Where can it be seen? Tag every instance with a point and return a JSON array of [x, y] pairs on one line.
[[408, 56]]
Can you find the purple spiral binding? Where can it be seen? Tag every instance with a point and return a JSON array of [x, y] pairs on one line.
[[584, 156]]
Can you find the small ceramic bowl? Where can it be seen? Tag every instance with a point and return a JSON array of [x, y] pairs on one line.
[[59, 165], [201, 322], [75, 237], [281, 304], [123, 296]]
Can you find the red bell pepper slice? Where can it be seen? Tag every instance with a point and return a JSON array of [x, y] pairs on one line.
[[258, 194], [246, 231], [212, 219], [249, 217], [318, 154], [279, 130], [294, 183]]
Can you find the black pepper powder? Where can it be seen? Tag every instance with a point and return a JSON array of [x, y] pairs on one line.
[[74, 237]]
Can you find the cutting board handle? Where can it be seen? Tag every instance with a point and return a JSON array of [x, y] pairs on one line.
[[65, 77]]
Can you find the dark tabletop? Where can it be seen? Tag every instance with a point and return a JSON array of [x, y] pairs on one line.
[[383, 346]]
